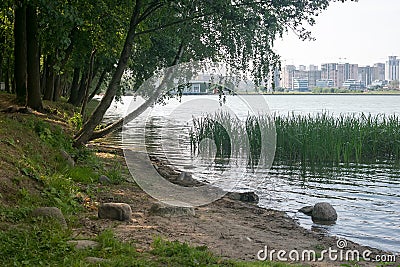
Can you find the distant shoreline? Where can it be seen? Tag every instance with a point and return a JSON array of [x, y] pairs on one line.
[[319, 94]]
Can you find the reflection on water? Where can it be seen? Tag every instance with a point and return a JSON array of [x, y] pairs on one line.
[[366, 197]]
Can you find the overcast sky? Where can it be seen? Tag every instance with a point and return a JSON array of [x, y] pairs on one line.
[[364, 32]]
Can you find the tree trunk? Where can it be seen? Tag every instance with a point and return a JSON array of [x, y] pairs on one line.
[[74, 86], [134, 114], [99, 83], [81, 91], [89, 81], [1, 68], [7, 76], [57, 88], [34, 99], [20, 56], [43, 77], [49, 77], [1, 58], [84, 135]]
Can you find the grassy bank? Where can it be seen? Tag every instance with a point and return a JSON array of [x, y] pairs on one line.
[[307, 140], [34, 173]]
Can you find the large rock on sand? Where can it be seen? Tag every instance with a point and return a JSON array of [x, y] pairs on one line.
[[164, 210], [115, 211], [250, 197]]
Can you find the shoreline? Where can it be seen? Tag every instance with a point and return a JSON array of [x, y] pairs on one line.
[[230, 228], [319, 94]]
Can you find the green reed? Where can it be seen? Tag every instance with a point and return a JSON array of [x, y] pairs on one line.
[[320, 139], [233, 137]]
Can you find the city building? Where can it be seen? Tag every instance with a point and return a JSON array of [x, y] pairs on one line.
[[300, 84], [324, 83], [365, 75], [302, 67], [196, 87], [379, 72], [288, 72], [392, 69], [313, 76], [346, 71], [378, 84], [341, 75], [352, 84], [329, 72]]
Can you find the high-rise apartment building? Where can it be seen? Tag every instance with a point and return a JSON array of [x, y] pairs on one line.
[[378, 72], [288, 73], [365, 75], [313, 77], [392, 69], [329, 72], [346, 72]]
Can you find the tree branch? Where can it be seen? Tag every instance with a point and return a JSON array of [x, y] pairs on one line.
[[134, 114]]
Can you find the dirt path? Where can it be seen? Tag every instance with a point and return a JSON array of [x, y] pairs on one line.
[[232, 229]]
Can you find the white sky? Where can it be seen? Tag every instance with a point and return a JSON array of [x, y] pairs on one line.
[[364, 33]]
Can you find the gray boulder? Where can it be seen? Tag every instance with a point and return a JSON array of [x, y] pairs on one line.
[[95, 260], [104, 179], [186, 179], [243, 196], [324, 211], [83, 244], [115, 211], [68, 158], [170, 211], [51, 213], [307, 210]]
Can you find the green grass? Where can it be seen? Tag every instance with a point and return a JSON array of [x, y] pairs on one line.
[[306, 140], [43, 243]]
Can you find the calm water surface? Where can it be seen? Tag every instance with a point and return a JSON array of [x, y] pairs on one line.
[[367, 198]]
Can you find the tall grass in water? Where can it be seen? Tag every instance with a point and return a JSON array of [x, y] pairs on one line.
[[233, 138], [314, 140], [325, 139]]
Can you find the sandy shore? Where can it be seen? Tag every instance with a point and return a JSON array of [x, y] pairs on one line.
[[230, 228]]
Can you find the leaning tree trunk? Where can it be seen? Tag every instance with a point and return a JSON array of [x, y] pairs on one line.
[[89, 81], [98, 85], [34, 99], [84, 135], [142, 108], [20, 57]]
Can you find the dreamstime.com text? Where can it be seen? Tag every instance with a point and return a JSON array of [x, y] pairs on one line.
[[339, 254]]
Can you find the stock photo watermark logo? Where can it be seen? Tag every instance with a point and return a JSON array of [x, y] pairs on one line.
[[340, 253], [231, 135]]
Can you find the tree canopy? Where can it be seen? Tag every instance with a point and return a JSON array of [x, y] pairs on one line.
[[83, 45]]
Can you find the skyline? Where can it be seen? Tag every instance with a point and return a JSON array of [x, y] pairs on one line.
[[363, 33]]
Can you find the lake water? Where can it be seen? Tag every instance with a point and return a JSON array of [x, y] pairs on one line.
[[366, 197]]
